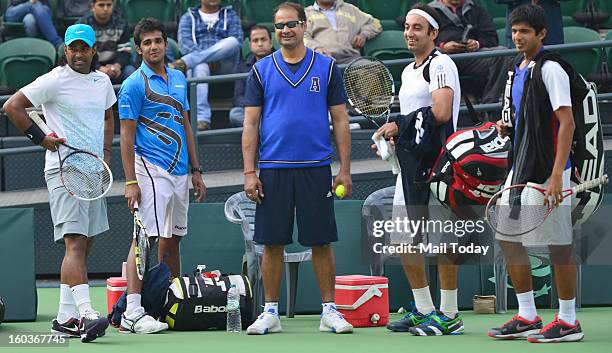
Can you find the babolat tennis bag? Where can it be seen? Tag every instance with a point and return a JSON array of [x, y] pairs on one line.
[[471, 167], [197, 303]]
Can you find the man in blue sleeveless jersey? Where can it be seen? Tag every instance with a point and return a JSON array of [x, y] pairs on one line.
[[289, 97], [156, 145]]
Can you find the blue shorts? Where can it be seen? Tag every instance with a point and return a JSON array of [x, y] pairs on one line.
[[303, 193]]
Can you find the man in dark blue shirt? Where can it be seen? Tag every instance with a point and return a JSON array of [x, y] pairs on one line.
[[289, 98]]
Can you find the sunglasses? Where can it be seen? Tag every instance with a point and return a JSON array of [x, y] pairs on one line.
[[290, 24]]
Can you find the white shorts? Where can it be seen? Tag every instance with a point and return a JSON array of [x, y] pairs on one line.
[[164, 199], [556, 229]]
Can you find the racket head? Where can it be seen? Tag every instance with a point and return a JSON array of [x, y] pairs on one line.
[[85, 175], [369, 87], [517, 210], [142, 246]]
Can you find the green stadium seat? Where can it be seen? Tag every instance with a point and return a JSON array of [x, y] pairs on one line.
[[501, 37], [163, 10], [9, 29], [605, 6], [259, 12], [386, 11], [609, 50], [585, 61], [389, 45], [568, 8], [24, 59], [496, 11], [64, 21]]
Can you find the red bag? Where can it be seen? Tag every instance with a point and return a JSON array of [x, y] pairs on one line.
[[470, 169]]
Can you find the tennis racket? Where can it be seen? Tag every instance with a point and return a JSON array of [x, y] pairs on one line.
[[520, 209], [142, 246], [371, 92], [84, 174]]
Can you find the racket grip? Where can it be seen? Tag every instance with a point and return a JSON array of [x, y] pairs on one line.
[[41, 124], [383, 146], [591, 184]]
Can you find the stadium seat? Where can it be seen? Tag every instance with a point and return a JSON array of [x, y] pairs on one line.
[[496, 11], [192, 3], [24, 59], [240, 210], [609, 50], [386, 11], [585, 61], [9, 29], [163, 10], [259, 12], [568, 8], [389, 45], [501, 37], [58, 12], [605, 6]]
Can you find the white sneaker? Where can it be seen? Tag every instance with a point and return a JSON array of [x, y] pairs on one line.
[[265, 323], [334, 322], [142, 323]]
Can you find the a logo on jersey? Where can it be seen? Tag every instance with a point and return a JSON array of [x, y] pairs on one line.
[[315, 85]]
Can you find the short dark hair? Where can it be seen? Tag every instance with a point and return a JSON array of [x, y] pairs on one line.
[[63, 60], [255, 27], [148, 25], [533, 15], [297, 7], [430, 11]]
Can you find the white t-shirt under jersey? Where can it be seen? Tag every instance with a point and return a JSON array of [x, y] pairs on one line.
[[557, 85], [74, 105], [415, 92]]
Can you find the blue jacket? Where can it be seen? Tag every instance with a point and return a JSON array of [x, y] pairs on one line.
[[194, 36]]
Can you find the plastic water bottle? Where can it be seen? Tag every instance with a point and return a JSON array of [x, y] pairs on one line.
[[234, 323]]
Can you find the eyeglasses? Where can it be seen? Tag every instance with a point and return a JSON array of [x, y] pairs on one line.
[[290, 24]]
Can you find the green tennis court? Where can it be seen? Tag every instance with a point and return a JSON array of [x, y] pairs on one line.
[[301, 335]]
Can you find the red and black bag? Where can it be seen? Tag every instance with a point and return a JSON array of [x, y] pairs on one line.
[[471, 167]]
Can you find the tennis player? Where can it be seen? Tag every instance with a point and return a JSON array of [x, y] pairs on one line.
[[443, 94], [289, 97], [76, 101], [157, 144], [543, 133]]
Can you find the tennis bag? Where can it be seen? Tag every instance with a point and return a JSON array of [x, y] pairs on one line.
[[198, 303], [470, 168]]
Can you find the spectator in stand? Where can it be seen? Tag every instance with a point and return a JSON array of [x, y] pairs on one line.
[[75, 8], [466, 27], [210, 38], [554, 19], [112, 32], [338, 29], [260, 43], [36, 16]]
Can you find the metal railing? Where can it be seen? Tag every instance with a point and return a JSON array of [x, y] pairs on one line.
[[192, 82]]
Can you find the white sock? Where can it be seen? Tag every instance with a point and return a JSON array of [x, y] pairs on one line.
[[448, 302], [527, 308], [328, 306], [67, 306], [567, 311], [81, 298], [134, 306], [423, 301], [271, 307]]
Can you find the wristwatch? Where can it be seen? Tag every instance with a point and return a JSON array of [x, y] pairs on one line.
[[196, 169]]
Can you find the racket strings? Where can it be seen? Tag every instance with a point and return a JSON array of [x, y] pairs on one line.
[[85, 175], [369, 86], [517, 211]]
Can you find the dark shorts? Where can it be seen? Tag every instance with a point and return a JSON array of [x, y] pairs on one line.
[[301, 193]]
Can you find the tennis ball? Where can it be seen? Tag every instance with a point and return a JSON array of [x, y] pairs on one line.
[[340, 191]]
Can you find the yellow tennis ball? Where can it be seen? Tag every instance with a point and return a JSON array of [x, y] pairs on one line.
[[340, 191]]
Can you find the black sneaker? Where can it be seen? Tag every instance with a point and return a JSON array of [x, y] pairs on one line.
[[92, 326], [517, 327], [412, 319], [69, 329], [558, 331]]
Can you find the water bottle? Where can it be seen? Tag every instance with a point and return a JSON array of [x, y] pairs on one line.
[[234, 323]]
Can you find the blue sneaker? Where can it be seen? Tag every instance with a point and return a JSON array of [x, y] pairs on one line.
[[412, 319], [438, 325]]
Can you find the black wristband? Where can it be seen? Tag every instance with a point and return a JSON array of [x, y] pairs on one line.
[[35, 134]]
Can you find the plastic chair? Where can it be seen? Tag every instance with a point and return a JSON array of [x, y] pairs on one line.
[[585, 61], [496, 11], [501, 37], [259, 12], [501, 278], [386, 11], [24, 59], [605, 6], [240, 210], [9, 28], [163, 10], [568, 9]]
